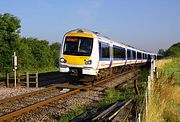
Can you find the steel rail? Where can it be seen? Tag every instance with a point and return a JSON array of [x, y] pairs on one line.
[[19, 97], [11, 115], [127, 103], [107, 79]]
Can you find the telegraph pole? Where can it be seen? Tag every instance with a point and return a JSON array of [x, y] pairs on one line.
[[14, 67]]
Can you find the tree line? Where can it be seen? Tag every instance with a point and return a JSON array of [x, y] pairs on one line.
[[32, 53], [172, 51]]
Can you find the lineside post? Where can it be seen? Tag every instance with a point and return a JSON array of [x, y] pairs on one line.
[[36, 79], [7, 79], [152, 69], [14, 63], [136, 87], [18, 77], [146, 95], [139, 117], [27, 79], [149, 85]]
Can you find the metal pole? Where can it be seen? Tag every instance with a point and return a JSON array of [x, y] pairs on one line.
[[14, 67], [15, 78]]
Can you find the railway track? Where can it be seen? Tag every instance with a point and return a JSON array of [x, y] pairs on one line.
[[16, 106], [122, 108]]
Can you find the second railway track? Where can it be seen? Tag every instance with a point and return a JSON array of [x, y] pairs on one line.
[[16, 106]]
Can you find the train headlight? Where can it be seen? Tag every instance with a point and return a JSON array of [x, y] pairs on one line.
[[89, 62], [62, 60]]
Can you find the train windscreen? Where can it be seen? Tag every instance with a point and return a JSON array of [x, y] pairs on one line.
[[79, 46]]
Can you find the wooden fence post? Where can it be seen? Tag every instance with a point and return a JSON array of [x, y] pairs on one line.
[[36, 79], [136, 87], [27, 79], [18, 77], [7, 79]]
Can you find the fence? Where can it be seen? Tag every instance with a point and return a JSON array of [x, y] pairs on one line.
[[23, 77]]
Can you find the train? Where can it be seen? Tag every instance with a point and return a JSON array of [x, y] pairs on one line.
[[88, 54]]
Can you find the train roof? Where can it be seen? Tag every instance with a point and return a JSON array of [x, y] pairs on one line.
[[98, 35]]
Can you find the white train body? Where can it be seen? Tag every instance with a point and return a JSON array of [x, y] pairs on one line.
[[85, 52]]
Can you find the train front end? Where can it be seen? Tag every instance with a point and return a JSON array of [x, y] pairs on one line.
[[78, 55]]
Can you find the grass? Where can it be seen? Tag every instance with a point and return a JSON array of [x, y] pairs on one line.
[[164, 102], [67, 117]]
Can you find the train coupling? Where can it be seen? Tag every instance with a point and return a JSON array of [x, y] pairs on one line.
[[74, 72]]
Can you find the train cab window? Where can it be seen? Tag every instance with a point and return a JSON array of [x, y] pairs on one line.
[[138, 55], [118, 52], [104, 49], [134, 54], [128, 54], [78, 46]]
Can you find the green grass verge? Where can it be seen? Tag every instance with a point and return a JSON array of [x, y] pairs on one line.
[[165, 100]]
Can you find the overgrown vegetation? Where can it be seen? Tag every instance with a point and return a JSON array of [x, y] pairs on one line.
[[165, 99], [33, 54]]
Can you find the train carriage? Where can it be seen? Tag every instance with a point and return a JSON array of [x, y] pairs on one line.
[[87, 53]]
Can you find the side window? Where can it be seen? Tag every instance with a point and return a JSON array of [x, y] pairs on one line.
[[145, 56], [138, 55], [134, 54], [118, 52], [104, 50], [128, 54]]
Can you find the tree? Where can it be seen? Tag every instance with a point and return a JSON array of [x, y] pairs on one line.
[[55, 49], [9, 39], [32, 52], [25, 56], [174, 50], [161, 52], [39, 50]]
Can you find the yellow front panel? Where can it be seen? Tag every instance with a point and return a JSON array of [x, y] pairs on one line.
[[80, 35], [76, 60]]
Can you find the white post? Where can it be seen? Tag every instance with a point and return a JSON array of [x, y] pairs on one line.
[[154, 65], [15, 78], [14, 67], [157, 75], [149, 86], [139, 117], [146, 107], [152, 69]]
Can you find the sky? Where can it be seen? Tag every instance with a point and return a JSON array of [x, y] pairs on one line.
[[145, 24]]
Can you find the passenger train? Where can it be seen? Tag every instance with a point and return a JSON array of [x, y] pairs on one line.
[[86, 53]]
